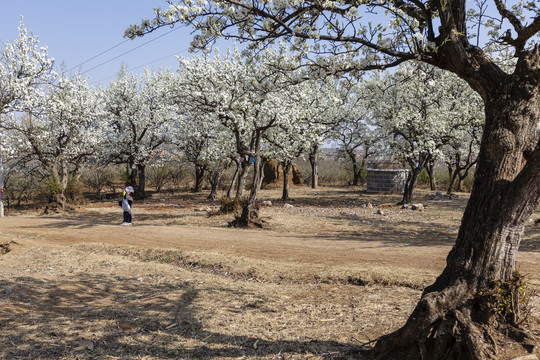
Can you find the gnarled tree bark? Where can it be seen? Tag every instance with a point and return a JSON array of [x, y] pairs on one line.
[[448, 322]]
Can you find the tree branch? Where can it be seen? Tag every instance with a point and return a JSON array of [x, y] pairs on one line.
[[526, 33], [510, 16]]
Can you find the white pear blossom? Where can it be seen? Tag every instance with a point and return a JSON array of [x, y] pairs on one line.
[[61, 132], [137, 115], [420, 110]]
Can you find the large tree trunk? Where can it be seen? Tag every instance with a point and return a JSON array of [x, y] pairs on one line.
[[450, 321], [500, 202], [314, 161]]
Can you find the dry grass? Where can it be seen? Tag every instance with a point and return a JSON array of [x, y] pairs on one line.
[[103, 302], [290, 291]]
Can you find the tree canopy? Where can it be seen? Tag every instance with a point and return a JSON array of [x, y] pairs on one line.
[[367, 34]]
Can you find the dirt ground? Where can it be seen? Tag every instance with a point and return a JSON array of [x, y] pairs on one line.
[[334, 269]]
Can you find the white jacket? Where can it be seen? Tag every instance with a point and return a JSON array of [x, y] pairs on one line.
[[125, 205]]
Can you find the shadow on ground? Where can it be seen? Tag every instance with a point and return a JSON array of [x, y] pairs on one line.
[[93, 218], [113, 317]]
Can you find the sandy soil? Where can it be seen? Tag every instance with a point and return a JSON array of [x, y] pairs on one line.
[[329, 274]]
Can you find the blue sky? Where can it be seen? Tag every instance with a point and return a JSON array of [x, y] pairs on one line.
[[76, 31]]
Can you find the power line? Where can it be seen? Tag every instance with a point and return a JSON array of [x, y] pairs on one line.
[[140, 66], [98, 55], [127, 52]]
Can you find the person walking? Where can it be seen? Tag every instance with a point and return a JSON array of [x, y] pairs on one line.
[[127, 201]]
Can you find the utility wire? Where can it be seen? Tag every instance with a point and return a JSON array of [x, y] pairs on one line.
[[140, 66], [127, 52], [98, 55]]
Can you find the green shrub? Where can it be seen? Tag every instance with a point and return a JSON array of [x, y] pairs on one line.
[[51, 187], [423, 178]]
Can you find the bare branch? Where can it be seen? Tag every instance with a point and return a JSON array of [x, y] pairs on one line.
[[510, 16]]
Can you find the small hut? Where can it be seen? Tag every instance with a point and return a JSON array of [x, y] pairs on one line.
[[386, 177]]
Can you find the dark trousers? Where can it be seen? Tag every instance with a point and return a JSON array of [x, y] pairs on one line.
[[127, 217]]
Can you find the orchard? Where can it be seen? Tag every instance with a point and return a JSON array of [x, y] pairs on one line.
[[425, 85]]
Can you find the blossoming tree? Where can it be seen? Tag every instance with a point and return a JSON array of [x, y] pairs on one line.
[[138, 115], [312, 113], [354, 130], [246, 96], [24, 67], [420, 110], [203, 141], [60, 132], [373, 34]]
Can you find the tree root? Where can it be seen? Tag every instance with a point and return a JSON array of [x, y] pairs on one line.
[[248, 218], [451, 324]]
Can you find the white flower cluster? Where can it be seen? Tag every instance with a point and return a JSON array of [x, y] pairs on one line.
[[137, 116], [232, 106], [24, 66], [420, 110]]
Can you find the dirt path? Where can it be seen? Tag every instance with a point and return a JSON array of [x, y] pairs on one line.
[[248, 243], [323, 251]]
